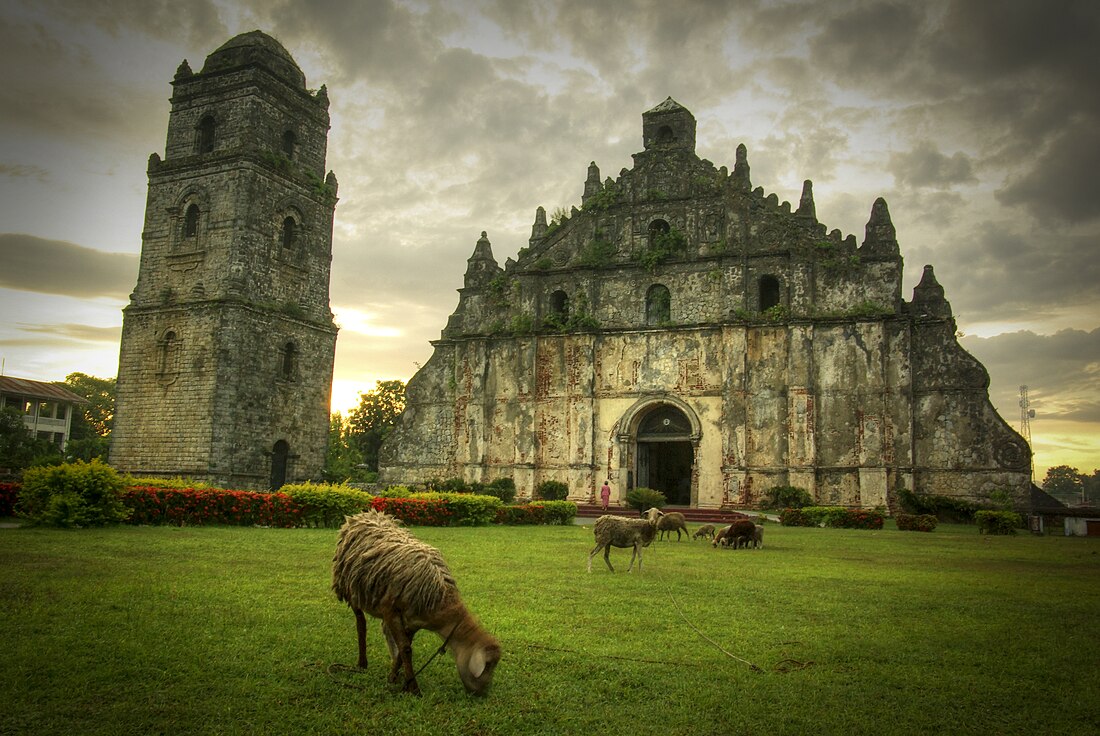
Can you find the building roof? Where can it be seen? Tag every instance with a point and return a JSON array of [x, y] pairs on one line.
[[256, 47], [38, 390]]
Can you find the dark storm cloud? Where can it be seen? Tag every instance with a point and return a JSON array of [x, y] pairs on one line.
[[1061, 186], [926, 166], [1062, 371], [195, 21], [57, 267], [995, 271], [61, 334], [870, 43]]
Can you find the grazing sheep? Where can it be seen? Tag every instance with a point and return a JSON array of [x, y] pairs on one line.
[[381, 569], [736, 534], [707, 530], [670, 522], [758, 537], [617, 531]]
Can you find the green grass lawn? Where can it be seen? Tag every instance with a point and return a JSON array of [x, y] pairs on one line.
[[142, 630]]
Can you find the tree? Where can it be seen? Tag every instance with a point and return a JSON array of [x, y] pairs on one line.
[[343, 461], [91, 426], [19, 448], [373, 420], [1064, 483]]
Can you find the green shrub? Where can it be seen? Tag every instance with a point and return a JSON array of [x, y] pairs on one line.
[[395, 492], [502, 488], [998, 522], [944, 508], [72, 495], [837, 517], [558, 512], [551, 490], [786, 497], [645, 498], [916, 522], [440, 509], [326, 505], [176, 482]]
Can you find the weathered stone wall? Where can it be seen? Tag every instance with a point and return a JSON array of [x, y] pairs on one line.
[[228, 341], [787, 351]]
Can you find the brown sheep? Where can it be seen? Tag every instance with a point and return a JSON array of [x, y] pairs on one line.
[[671, 522], [381, 569], [616, 531], [736, 534]]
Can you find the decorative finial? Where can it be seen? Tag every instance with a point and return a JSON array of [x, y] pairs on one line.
[[741, 168], [806, 206], [183, 71]]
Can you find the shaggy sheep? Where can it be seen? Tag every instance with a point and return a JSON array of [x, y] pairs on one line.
[[617, 531], [381, 569], [707, 530], [671, 522]]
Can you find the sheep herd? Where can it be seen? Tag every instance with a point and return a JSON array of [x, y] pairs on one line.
[[617, 531], [381, 570]]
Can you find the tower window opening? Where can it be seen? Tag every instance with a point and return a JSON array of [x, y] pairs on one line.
[[658, 305], [290, 354], [769, 292], [191, 221], [206, 134], [665, 135], [290, 232], [657, 228], [290, 143], [559, 306]]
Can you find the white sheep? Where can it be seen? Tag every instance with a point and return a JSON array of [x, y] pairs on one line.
[[381, 569], [617, 531]]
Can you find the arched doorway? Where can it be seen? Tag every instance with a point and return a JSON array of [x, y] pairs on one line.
[[665, 454], [279, 454]]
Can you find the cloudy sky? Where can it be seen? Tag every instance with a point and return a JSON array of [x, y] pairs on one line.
[[979, 122]]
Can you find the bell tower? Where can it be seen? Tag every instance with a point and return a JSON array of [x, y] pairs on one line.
[[225, 365]]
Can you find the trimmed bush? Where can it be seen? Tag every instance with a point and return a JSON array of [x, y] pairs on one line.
[[944, 508], [440, 509], [194, 507], [72, 495], [326, 505], [502, 488], [786, 497], [538, 512], [644, 498], [552, 490], [998, 522], [837, 517], [916, 522]]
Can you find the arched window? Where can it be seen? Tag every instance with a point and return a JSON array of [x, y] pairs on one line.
[[559, 306], [290, 143], [657, 228], [664, 135], [290, 232], [206, 134], [658, 305], [169, 353], [280, 453], [191, 221], [769, 292], [290, 358]]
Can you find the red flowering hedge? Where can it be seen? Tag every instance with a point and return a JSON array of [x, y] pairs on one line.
[[9, 494], [416, 511], [833, 516], [192, 506]]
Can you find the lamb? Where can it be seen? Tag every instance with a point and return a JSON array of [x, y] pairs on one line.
[[381, 569], [707, 530], [758, 537], [616, 531]]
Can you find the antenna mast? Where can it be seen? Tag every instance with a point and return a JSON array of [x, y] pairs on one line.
[[1026, 415]]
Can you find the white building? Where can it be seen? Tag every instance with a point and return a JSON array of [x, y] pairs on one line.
[[47, 409]]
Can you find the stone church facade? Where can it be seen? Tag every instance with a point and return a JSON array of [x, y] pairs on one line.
[[683, 331], [226, 360]]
